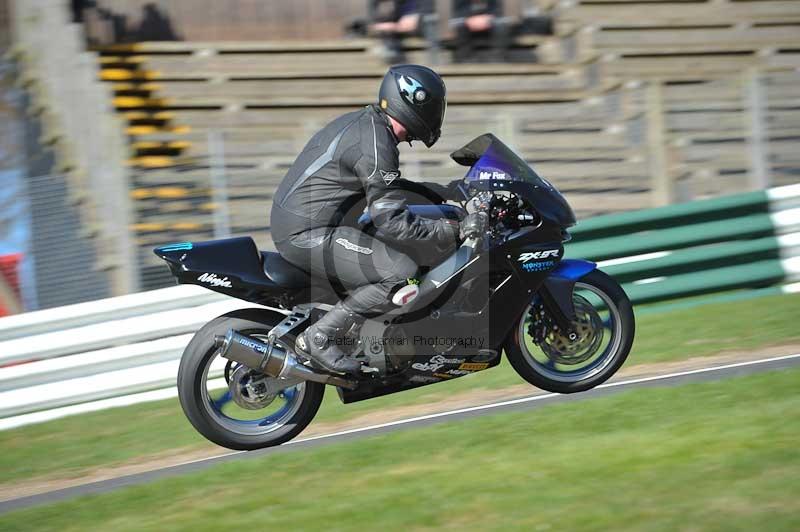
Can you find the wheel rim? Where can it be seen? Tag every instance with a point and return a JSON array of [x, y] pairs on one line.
[[594, 309], [221, 404]]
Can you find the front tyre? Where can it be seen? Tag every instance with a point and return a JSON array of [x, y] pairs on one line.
[[233, 406], [604, 327]]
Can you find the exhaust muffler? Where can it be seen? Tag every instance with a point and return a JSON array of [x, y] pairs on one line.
[[272, 359]]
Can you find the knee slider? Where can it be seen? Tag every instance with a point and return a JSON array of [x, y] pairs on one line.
[[406, 293]]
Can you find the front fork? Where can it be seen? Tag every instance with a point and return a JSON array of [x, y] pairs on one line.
[[556, 292]]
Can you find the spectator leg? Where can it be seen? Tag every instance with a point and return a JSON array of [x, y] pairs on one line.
[[500, 40], [463, 45], [431, 35], [393, 46]]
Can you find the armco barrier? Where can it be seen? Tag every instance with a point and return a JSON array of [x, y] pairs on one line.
[[70, 316], [747, 240], [125, 350]]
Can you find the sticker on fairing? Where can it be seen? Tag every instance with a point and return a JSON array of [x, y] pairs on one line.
[[531, 255], [213, 280], [538, 266], [492, 175]]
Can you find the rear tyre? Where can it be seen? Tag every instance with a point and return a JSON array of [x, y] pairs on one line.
[[605, 325], [208, 403]]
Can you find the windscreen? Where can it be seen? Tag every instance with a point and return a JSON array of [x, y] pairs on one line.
[[490, 160]]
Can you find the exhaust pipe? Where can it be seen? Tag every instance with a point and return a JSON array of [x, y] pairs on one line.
[[272, 359]]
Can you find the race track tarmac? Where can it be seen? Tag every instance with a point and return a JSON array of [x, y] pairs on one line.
[[525, 403]]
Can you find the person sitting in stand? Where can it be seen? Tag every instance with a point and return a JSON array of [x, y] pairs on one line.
[[475, 20], [394, 20]]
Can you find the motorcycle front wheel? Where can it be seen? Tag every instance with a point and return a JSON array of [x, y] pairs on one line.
[[580, 359], [234, 406]]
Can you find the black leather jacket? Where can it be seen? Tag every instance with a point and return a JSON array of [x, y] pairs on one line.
[[350, 163]]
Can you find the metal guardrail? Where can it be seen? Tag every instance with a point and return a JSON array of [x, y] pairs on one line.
[[746, 240], [125, 350]]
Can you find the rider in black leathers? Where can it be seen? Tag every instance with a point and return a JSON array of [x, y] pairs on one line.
[[351, 163]]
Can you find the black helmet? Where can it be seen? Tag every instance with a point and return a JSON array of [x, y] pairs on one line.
[[415, 96]]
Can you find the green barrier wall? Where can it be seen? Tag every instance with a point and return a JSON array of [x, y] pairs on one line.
[[701, 247]]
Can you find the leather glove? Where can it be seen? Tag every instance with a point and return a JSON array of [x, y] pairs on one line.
[[473, 225]]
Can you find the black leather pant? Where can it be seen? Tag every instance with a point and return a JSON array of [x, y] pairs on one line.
[[365, 267], [498, 39]]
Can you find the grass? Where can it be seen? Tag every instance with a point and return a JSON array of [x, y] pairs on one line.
[[710, 456], [76, 444]]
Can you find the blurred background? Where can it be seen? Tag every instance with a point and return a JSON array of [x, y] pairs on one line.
[[672, 127], [128, 124]]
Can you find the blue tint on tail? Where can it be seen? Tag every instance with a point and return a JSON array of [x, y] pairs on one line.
[[178, 246]]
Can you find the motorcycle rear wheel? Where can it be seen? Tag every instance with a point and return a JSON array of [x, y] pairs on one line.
[[605, 325], [211, 409]]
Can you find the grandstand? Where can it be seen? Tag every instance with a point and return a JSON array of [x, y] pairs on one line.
[[629, 104]]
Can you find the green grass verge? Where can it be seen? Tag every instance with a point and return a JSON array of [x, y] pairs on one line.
[[106, 438], [707, 456]]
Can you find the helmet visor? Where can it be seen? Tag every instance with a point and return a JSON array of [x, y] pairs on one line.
[[436, 129]]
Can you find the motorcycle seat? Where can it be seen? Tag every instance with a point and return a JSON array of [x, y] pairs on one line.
[[282, 272]]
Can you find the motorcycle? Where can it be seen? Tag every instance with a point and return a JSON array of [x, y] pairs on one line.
[[564, 325]]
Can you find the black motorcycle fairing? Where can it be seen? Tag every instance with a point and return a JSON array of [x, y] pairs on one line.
[[511, 298], [425, 369], [235, 267], [446, 269]]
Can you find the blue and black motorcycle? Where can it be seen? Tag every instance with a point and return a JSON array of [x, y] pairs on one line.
[[564, 325]]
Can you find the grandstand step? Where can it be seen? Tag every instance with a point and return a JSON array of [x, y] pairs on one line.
[[121, 59], [333, 100], [145, 129], [266, 65], [131, 91], [364, 89], [160, 149], [144, 115], [150, 145], [200, 47], [153, 161], [135, 102], [118, 74], [334, 48], [168, 192], [665, 39], [555, 113], [690, 66], [654, 13]]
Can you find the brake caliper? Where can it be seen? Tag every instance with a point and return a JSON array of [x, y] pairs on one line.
[[540, 322]]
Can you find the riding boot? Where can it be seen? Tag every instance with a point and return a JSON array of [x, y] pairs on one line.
[[321, 341]]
